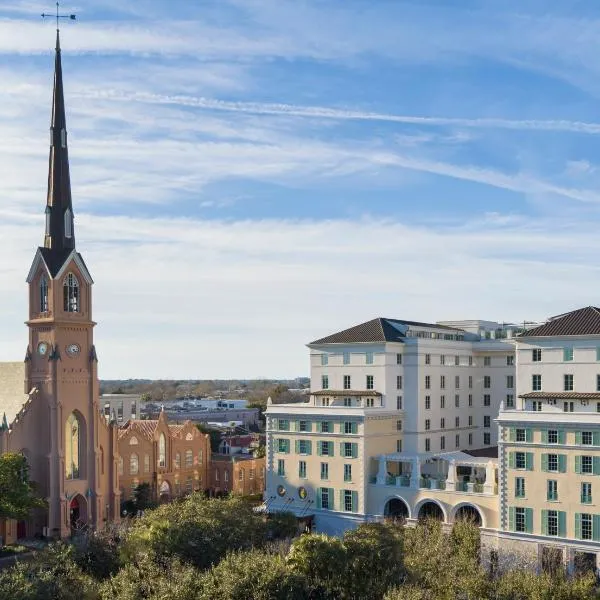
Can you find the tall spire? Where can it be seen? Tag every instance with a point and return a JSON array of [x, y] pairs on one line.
[[60, 234]]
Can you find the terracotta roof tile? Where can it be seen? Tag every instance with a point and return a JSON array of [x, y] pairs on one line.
[[562, 395], [144, 427]]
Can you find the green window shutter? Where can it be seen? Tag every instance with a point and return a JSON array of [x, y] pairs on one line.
[[342, 504], [562, 463], [511, 460], [596, 465], [578, 526], [512, 436], [562, 523], [561, 436], [319, 500], [529, 461], [578, 464], [544, 522], [341, 448], [297, 446], [331, 453], [331, 495], [528, 435], [296, 426], [544, 436], [308, 426], [354, 450], [596, 438], [544, 462], [354, 427], [319, 449], [596, 528], [308, 447], [529, 520], [578, 437], [354, 501], [511, 518]]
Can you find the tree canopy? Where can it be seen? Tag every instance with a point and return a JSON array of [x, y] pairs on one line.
[[17, 495]]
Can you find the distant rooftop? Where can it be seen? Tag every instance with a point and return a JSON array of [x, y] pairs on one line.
[[583, 321]]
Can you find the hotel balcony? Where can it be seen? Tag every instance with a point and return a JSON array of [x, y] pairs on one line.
[[446, 486]]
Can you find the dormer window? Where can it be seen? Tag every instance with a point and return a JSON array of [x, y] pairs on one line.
[[68, 223], [71, 293], [63, 138], [43, 294]]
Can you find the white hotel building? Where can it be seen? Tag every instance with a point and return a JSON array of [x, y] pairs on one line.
[[399, 422]]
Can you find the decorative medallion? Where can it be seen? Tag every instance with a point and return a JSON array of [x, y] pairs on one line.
[[302, 493], [281, 490]]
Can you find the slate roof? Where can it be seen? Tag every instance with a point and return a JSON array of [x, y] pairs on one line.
[[583, 321], [380, 329]]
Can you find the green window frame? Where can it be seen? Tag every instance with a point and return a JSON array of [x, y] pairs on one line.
[[304, 426], [283, 424], [347, 472], [527, 519], [350, 427], [303, 447], [283, 445], [302, 469], [325, 448], [561, 525], [325, 427], [595, 465], [349, 449], [586, 492], [551, 490], [595, 522], [519, 487], [325, 493], [348, 501], [281, 467], [568, 353]]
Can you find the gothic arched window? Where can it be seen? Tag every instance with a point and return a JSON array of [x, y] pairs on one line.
[[43, 294], [71, 293], [178, 461], [189, 458], [73, 436], [146, 463], [162, 451], [134, 464]]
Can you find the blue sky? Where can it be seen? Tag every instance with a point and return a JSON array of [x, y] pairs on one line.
[[249, 175]]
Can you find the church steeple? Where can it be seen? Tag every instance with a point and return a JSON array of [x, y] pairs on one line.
[[60, 235]]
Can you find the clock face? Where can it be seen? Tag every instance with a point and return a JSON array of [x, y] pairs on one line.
[[42, 348], [281, 490], [73, 349]]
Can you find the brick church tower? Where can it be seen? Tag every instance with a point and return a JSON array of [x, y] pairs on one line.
[[71, 449]]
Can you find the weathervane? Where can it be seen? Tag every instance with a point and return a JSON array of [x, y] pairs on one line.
[[58, 16]]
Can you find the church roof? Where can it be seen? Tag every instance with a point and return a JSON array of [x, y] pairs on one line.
[[583, 321], [59, 240], [145, 427]]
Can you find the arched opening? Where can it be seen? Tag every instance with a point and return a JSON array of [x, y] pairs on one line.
[[396, 508], [77, 513], [43, 294], [468, 513], [134, 464], [162, 451], [164, 492], [71, 293], [74, 446], [431, 510]]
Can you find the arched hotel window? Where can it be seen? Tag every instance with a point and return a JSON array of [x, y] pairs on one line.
[[43, 294], [134, 464], [73, 449], [71, 293], [162, 451]]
